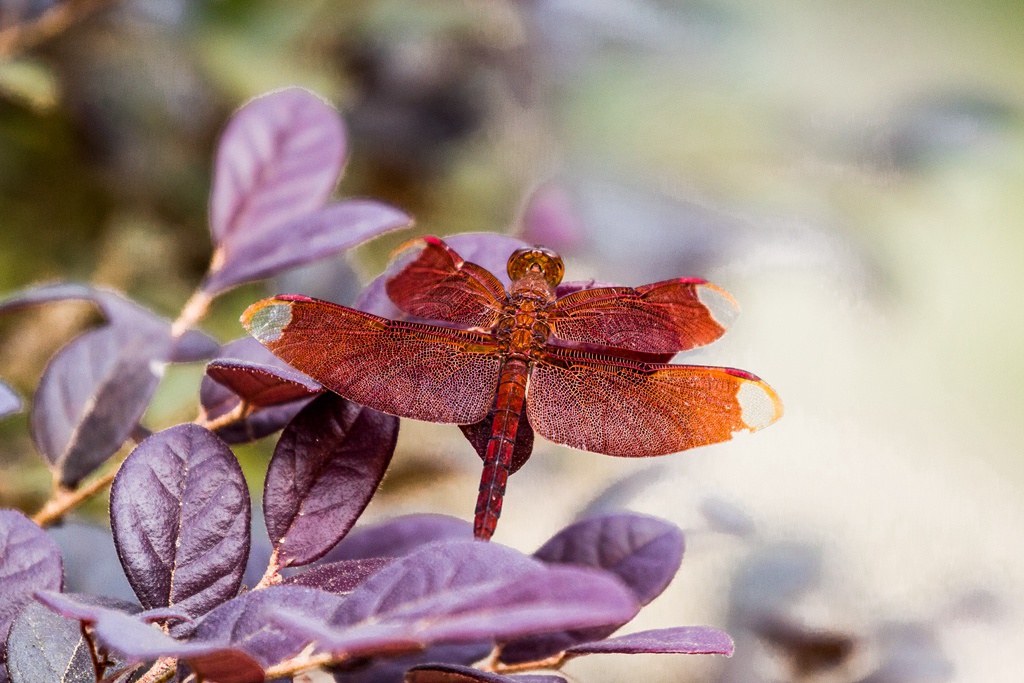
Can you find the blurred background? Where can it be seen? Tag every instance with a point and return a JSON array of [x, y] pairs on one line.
[[852, 172]]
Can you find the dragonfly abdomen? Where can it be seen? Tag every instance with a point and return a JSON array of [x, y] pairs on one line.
[[508, 406]]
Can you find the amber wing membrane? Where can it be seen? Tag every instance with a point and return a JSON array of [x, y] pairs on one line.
[[422, 372], [620, 407], [439, 285], [663, 317]]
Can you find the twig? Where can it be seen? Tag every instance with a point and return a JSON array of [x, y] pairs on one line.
[[62, 500], [296, 665], [193, 311], [272, 576], [52, 22], [237, 413], [492, 664]]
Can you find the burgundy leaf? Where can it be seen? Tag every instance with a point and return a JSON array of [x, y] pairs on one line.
[[44, 647], [140, 642], [645, 552], [550, 219], [487, 249], [92, 394], [479, 434], [400, 536], [179, 509], [464, 592], [260, 252], [10, 402], [216, 400], [326, 467], [279, 158], [687, 640], [262, 385], [338, 577], [453, 673], [29, 561]]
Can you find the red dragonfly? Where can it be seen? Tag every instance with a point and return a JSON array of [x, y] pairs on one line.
[[587, 370]]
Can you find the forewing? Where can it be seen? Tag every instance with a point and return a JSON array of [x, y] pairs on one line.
[[418, 371], [630, 409], [663, 317], [439, 285]]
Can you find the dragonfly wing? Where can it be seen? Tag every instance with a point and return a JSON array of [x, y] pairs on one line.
[[621, 407], [422, 372], [439, 285], [663, 317]]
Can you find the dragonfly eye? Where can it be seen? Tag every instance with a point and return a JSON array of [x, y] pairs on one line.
[[546, 261]]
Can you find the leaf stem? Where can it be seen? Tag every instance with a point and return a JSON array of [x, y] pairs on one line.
[[63, 500], [234, 415], [193, 311], [296, 665], [272, 576], [495, 666]]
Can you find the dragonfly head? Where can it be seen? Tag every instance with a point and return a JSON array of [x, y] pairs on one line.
[[537, 260]]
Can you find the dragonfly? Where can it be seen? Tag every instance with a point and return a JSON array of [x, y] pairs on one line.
[[587, 370]]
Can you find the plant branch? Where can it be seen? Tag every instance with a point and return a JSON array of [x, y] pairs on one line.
[[63, 500], [54, 21], [237, 413], [296, 665], [193, 311], [495, 666]]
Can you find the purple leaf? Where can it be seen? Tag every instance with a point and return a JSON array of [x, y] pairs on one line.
[[262, 385], [140, 642], [91, 395], [338, 577], [326, 467], [687, 640], [245, 623], [29, 561], [194, 346], [258, 253], [118, 311], [394, 668], [10, 402], [179, 509], [645, 552], [44, 647], [453, 673], [463, 592], [216, 400], [400, 536], [279, 158], [550, 219], [487, 249]]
